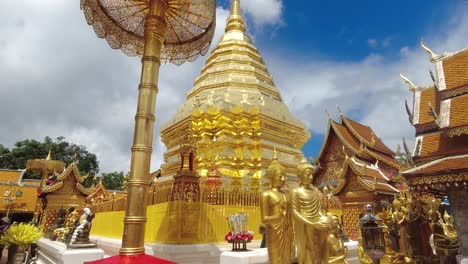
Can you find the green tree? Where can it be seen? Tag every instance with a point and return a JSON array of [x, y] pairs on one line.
[[28, 149], [3, 156], [113, 180]]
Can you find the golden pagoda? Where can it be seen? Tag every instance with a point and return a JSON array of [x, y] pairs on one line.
[[236, 115]]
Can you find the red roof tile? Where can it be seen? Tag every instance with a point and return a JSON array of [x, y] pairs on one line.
[[456, 70], [366, 134], [440, 166]]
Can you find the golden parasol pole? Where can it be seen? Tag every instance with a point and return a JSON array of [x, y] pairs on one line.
[[135, 216]]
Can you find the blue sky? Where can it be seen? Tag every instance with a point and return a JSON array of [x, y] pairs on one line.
[[320, 54]]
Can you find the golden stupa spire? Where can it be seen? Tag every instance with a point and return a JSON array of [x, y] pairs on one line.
[[235, 19], [49, 157]]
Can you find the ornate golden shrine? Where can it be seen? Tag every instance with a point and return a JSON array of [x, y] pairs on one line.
[[234, 102], [358, 166], [64, 192], [438, 164]]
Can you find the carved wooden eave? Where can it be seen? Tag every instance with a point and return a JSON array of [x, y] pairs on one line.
[[72, 168], [393, 163], [341, 177], [369, 182], [97, 192]]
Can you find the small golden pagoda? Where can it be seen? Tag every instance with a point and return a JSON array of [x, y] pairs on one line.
[[358, 167], [236, 115], [440, 117]]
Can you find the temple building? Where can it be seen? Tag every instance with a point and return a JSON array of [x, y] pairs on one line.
[[19, 195], [235, 114], [357, 166], [440, 117]]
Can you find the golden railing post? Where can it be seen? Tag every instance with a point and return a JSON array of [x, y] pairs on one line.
[[135, 215]]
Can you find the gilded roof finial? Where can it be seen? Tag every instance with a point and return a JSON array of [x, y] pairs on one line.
[[74, 158], [49, 157], [235, 20], [339, 110], [434, 57], [328, 114], [275, 155], [412, 86]]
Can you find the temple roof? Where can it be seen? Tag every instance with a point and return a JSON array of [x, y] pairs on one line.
[[440, 166], [363, 151], [71, 169], [456, 69], [366, 135], [361, 140]]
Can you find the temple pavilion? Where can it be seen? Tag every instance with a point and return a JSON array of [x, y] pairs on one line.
[[440, 118], [235, 114], [357, 166]]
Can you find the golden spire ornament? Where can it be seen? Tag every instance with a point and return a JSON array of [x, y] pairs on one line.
[[168, 31]]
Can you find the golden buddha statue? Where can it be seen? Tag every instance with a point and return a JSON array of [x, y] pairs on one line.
[[449, 229], [276, 216], [401, 218], [311, 225], [389, 228], [336, 248], [446, 247], [69, 224]]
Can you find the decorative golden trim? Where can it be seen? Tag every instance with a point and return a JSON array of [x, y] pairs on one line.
[[444, 178], [51, 188], [446, 94], [458, 131]]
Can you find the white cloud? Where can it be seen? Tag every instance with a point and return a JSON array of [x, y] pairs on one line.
[[264, 12]]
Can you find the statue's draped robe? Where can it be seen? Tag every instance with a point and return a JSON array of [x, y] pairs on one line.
[[308, 219], [279, 233]]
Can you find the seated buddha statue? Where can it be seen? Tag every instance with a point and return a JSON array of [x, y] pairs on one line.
[[336, 248]]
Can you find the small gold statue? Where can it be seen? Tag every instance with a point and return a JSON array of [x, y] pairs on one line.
[[276, 215], [336, 248], [401, 218], [311, 226], [446, 247], [449, 229], [71, 219]]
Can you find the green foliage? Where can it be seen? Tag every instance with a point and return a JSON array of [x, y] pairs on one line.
[[113, 180], [21, 235], [28, 149]]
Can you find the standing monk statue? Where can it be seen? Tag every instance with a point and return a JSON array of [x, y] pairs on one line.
[[311, 226], [276, 216]]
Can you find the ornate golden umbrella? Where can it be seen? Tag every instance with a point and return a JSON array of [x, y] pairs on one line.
[[160, 31]]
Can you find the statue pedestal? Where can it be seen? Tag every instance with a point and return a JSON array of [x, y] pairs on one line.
[[251, 256], [53, 252]]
